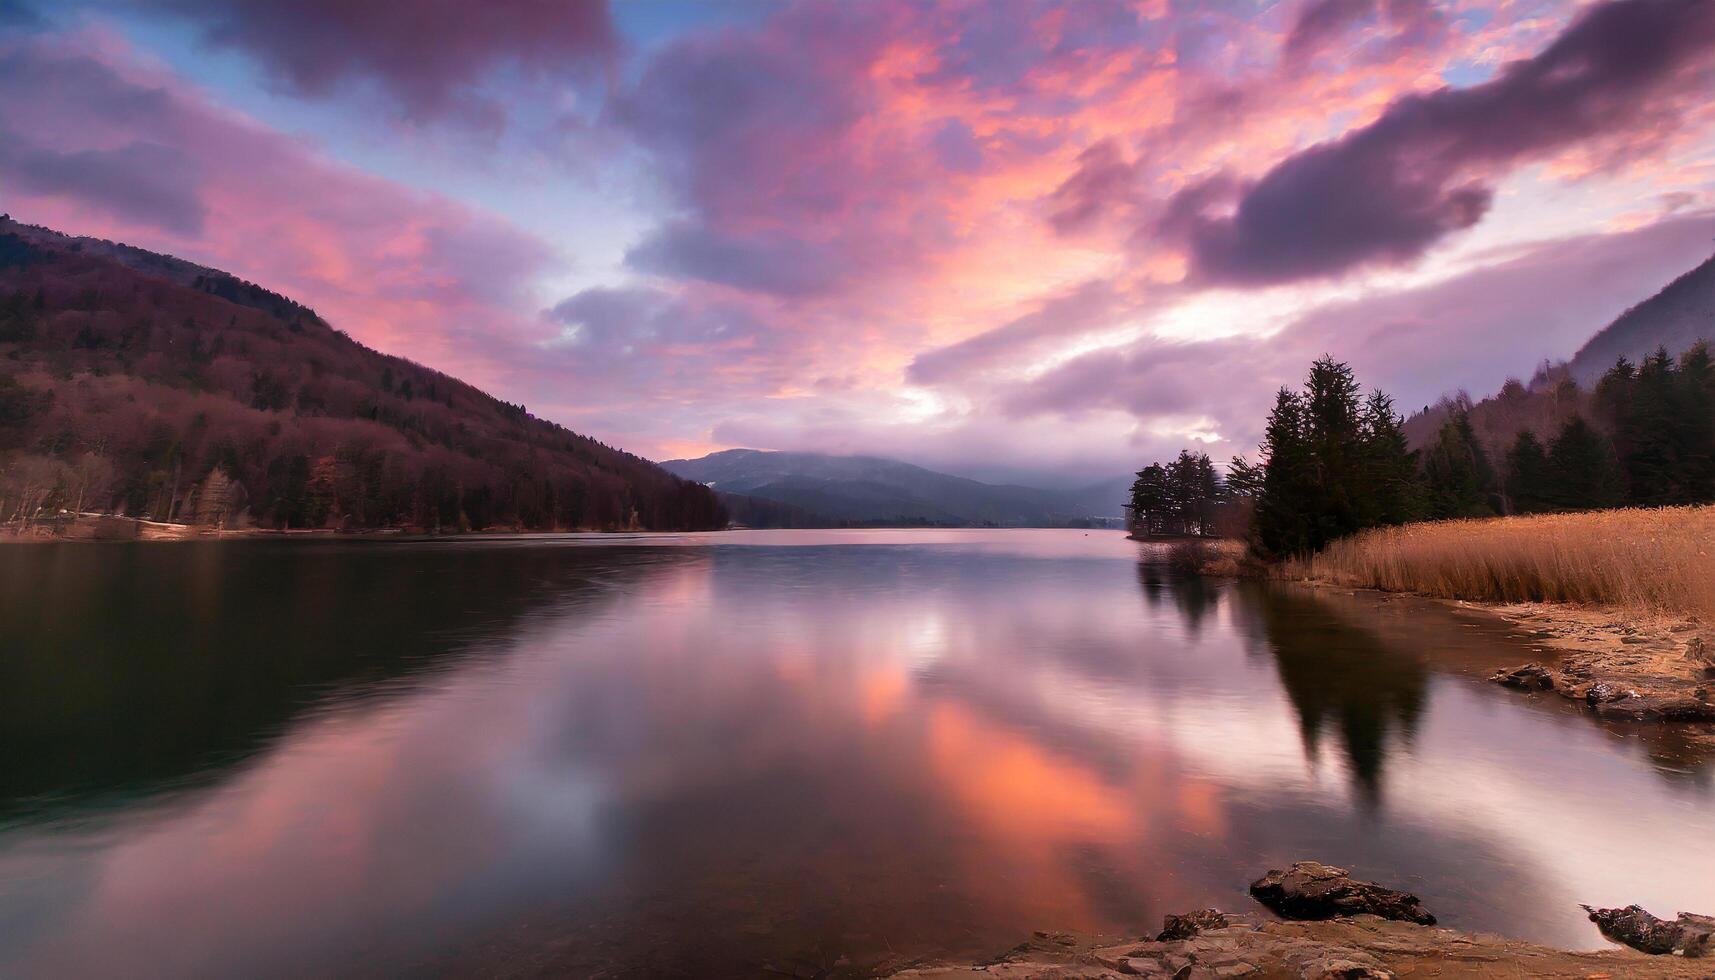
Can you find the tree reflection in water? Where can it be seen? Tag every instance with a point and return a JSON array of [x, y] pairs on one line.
[[1341, 679]]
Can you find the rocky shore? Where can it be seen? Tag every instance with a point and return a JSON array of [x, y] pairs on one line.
[[1346, 929], [1621, 667]]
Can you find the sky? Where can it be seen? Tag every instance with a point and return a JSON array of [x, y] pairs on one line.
[[1011, 239]]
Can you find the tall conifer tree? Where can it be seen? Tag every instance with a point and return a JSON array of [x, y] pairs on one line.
[[1581, 469], [1529, 483], [1457, 471]]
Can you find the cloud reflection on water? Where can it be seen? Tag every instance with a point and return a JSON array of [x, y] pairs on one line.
[[694, 758]]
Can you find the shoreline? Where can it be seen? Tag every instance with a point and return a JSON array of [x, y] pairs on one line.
[[1363, 947], [1328, 925], [1621, 665], [110, 529]]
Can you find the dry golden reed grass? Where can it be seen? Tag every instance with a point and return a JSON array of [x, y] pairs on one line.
[[1658, 561]]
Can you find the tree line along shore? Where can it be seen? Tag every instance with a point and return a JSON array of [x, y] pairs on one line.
[[1599, 538]]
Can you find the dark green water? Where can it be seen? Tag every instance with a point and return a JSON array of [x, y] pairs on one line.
[[712, 755]]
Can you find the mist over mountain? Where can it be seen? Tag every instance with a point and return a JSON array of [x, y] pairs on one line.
[[876, 490], [140, 384]]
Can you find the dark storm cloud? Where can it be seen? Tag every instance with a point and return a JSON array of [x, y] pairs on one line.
[[1426, 167], [427, 53]]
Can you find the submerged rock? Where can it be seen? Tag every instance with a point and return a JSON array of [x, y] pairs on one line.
[[1309, 890], [1527, 677], [1691, 936], [1191, 923]]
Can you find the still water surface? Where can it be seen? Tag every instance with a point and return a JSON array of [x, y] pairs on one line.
[[798, 751]]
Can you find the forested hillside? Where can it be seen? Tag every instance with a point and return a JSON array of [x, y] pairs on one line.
[[1679, 316], [1630, 420], [138, 384]]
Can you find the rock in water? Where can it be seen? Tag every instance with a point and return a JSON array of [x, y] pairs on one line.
[[1529, 677], [1309, 890], [1691, 936], [1191, 923]]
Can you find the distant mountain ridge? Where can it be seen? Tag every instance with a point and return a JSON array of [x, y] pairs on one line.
[[1678, 316], [876, 490]]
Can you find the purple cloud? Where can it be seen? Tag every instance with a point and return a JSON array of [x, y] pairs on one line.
[[956, 148], [782, 266], [427, 54], [1516, 308], [1103, 182], [1087, 307], [141, 181], [1322, 22], [1425, 168], [629, 318]]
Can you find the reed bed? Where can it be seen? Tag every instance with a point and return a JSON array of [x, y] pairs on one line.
[[1659, 561]]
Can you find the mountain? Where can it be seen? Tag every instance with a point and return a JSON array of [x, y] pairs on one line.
[[877, 491], [141, 384], [1677, 317]]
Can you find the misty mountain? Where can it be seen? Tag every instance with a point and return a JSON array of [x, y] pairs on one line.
[[875, 490], [141, 384], [1677, 317]]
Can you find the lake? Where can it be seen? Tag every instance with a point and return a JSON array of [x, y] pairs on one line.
[[808, 752]]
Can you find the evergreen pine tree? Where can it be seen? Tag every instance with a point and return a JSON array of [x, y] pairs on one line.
[[1209, 494], [1581, 469], [1528, 481], [1282, 525], [1390, 488], [1694, 414], [1149, 498], [1456, 471], [1333, 431], [1244, 478], [1648, 427]]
